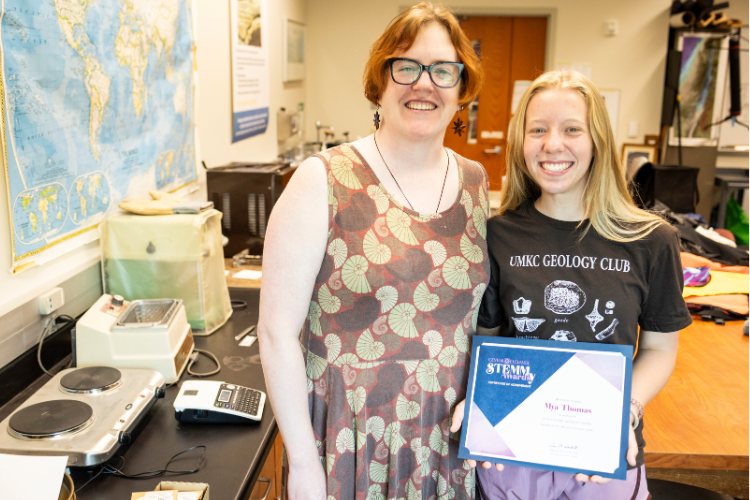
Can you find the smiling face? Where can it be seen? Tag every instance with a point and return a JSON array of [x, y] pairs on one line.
[[557, 144], [422, 110]]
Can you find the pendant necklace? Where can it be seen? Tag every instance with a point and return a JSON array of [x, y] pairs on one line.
[[399, 187]]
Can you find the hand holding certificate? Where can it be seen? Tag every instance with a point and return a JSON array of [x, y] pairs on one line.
[[548, 405]]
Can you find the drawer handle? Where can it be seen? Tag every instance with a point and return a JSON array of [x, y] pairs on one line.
[[268, 488]]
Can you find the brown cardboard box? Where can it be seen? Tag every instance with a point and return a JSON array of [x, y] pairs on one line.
[[142, 494], [176, 486]]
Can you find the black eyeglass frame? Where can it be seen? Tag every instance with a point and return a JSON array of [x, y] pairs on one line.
[[422, 67]]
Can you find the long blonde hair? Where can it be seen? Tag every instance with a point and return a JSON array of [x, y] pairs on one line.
[[607, 202]]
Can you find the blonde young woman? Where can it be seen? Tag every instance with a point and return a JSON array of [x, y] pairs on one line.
[[374, 266], [569, 225]]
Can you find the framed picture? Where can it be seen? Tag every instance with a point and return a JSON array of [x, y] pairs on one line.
[[295, 35], [635, 155], [703, 71]]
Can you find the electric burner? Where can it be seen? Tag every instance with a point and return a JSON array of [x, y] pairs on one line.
[[91, 380], [51, 419], [85, 414]]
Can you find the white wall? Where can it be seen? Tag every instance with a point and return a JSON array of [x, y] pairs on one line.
[[77, 272], [340, 33]]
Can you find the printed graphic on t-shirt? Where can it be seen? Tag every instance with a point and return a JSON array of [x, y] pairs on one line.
[[565, 298], [594, 317]]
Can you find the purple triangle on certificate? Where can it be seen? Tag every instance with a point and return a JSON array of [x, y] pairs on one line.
[[484, 439]]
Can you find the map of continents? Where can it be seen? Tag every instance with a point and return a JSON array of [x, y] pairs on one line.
[[97, 107]]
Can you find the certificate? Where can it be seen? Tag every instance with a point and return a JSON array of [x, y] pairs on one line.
[[548, 405]]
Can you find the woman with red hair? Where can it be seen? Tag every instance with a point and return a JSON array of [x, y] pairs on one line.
[[374, 268]]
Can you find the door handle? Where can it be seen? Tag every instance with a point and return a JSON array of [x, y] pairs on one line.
[[268, 488], [494, 151]]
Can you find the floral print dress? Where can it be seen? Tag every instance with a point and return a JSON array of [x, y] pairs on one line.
[[386, 340]]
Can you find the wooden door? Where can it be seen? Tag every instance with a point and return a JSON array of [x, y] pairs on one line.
[[511, 49]]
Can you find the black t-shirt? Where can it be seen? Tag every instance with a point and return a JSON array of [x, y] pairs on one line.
[[549, 283]]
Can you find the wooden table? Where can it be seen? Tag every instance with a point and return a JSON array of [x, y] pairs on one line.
[[697, 427]]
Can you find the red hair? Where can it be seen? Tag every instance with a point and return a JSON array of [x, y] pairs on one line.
[[400, 35]]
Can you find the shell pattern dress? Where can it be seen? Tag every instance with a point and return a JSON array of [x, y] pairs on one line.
[[386, 340]]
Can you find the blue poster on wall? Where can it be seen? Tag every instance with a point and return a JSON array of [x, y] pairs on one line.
[[249, 47]]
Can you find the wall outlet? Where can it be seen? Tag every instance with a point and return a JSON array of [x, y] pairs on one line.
[[51, 301], [611, 27], [633, 128]]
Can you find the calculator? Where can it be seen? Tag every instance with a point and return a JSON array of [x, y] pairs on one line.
[[209, 401]]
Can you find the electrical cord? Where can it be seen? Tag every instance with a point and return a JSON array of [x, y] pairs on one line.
[[725, 120], [117, 471], [194, 358], [99, 472], [45, 333]]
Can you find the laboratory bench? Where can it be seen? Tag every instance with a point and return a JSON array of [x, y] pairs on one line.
[[242, 461], [235, 453]]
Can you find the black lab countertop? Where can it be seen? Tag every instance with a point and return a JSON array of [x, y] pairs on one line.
[[235, 452]]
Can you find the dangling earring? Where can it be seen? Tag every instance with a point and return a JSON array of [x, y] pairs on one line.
[[376, 117], [458, 124]]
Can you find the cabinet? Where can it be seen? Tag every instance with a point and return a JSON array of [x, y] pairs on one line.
[[268, 485]]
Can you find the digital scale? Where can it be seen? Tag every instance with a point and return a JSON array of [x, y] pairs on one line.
[[208, 401]]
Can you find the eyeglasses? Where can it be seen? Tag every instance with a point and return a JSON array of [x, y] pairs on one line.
[[407, 71]]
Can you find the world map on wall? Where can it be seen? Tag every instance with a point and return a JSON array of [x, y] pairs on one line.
[[97, 107]]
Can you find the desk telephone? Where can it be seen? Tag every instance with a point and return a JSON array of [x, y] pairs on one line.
[[209, 401]]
